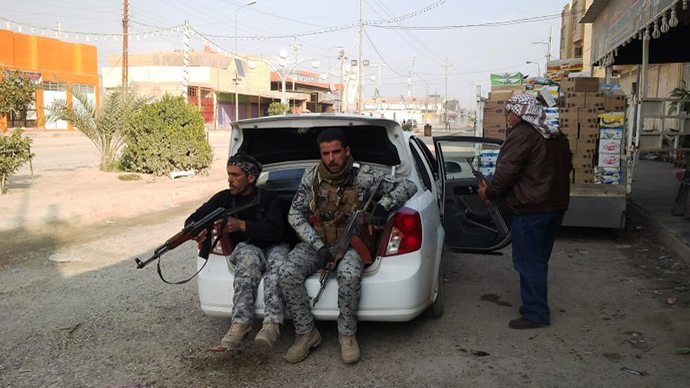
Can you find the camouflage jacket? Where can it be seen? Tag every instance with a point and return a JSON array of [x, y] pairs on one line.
[[393, 193]]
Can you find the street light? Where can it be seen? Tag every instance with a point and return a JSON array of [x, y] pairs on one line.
[[538, 67], [237, 96], [285, 69]]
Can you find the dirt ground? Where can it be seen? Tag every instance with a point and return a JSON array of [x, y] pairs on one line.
[[89, 318]]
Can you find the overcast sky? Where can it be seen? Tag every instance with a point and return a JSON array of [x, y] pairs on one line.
[[425, 32]]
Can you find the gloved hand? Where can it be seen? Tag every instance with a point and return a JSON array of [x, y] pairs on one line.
[[379, 216], [324, 257]]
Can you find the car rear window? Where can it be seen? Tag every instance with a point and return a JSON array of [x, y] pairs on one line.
[[281, 179]]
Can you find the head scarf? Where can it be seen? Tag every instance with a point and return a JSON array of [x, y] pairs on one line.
[[246, 163], [530, 110]]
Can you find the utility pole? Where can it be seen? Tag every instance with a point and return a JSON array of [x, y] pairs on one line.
[[359, 63], [125, 42], [295, 47], [414, 74], [185, 59], [445, 103], [548, 56]]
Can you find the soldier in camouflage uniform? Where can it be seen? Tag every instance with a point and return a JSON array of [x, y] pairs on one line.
[[257, 233], [328, 194]]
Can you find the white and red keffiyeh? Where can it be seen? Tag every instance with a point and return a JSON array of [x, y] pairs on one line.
[[530, 110]]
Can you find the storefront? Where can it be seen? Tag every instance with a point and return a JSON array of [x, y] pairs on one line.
[[56, 68]]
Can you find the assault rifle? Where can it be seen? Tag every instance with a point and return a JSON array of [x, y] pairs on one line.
[[493, 209], [340, 247], [192, 230]]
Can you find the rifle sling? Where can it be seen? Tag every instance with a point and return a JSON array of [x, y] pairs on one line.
[[213, 245]]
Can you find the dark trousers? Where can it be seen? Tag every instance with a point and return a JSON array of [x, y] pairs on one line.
[[533, 236]]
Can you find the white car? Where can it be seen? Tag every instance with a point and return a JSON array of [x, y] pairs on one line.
[[405, 279]]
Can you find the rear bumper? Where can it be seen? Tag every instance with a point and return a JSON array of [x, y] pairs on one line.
[[394, 289]]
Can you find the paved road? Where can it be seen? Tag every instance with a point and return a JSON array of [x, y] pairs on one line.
[[71, 151]]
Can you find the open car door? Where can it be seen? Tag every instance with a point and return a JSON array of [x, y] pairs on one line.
[[470, 224]]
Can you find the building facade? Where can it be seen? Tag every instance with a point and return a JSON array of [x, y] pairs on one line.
[[57, 68], [576, 37]]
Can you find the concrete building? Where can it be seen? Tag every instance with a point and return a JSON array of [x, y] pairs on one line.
[[576, 38], [212, 85], [56, 68]]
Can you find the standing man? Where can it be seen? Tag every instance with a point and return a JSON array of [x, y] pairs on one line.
[[532, 182], [328, 194], [256, 234]]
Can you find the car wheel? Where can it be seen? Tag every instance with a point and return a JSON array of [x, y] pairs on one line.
[[436, 308]]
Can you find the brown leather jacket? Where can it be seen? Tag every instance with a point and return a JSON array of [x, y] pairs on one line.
[[532, 173]]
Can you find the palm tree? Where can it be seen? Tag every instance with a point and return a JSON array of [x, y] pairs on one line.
[[105, 127]]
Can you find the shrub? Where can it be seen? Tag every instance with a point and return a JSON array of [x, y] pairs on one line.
[[165, 136], [276, 109], [16, 91], [105, 126], [15, 150]]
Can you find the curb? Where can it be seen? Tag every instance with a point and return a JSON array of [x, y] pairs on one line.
[[665, 235]]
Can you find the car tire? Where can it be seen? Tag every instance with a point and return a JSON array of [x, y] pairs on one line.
[[436, 308]]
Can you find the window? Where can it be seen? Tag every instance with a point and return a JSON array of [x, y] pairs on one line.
[[54, 86], [281, 179], [86, 89], [421, 169], [23, 119]]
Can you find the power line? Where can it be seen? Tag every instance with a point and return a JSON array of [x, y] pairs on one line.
[[534, 19]]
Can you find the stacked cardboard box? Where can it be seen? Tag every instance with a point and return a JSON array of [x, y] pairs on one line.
[[611, 128], [579, 123], [495, 123], [595, 134]]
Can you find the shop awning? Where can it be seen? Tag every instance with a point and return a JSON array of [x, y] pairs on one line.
[[618, 24]]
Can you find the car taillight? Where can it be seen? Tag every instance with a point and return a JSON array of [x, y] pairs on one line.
[[403, 234]]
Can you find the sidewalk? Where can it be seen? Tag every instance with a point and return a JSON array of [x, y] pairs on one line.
[[654, 191]]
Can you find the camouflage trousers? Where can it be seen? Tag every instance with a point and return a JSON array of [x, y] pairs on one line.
[[301, 263], [249, 262]]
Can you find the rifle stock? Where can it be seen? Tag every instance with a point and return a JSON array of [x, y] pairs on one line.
[[192, 230]]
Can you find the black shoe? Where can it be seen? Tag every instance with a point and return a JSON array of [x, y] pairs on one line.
[[524, 323], [521, 310]]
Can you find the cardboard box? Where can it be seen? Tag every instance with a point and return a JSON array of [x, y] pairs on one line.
[[583, 176], [609, 160], [496, 120], [496, 126], [498, 96], [547, 96], [511, 88], [595, 100], [588, 116], [580, 84], [614, 100], [495, 133], [490, 106], [612, 120], [575, 100], [611, 133], [572, 132], [588, 131], [494, 112], [583, 161], [607, 179], [607, 170], [610, 146], [567, 116], [586, 146]]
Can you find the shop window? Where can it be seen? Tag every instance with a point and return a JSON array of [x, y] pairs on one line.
[[54, 86], [23, 119], [86, 89]]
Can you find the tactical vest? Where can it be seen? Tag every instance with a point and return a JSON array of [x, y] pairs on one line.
[[331, 206]]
